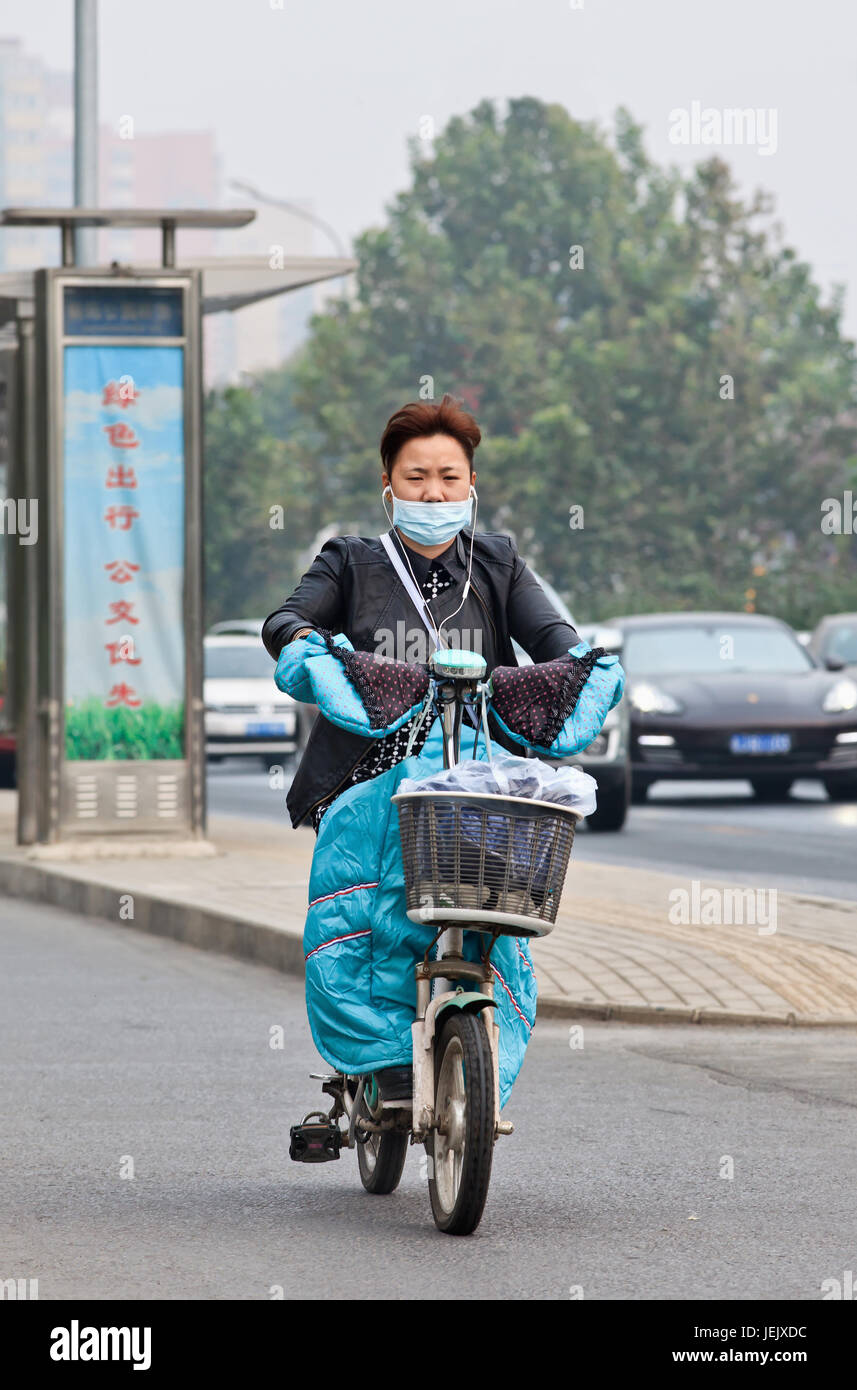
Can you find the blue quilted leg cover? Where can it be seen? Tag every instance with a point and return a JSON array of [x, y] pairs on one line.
[[361, 947]]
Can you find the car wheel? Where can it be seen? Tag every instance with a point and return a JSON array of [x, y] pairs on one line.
[[772, 788], [842, 789], [612, 808], [639, 790]]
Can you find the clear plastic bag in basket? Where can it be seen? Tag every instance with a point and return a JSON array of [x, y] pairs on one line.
[[509, 776]]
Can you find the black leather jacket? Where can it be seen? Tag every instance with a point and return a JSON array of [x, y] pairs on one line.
[[351, 587]]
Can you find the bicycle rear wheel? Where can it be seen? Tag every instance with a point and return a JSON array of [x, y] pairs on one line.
[[462, 1147], [380, 1157]]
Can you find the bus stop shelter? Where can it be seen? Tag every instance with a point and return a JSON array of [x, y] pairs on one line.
[[101, 378]]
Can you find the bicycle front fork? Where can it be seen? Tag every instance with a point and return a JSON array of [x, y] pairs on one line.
[[450, 971]]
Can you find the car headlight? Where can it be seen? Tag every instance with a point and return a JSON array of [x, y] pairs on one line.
[[598, 747], [840, 697], [647, 699]]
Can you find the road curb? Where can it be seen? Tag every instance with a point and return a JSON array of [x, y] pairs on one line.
[[551, 1006], [202, 927], [257, 942]]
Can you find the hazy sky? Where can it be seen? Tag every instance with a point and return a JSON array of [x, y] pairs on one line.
[[315, 100]]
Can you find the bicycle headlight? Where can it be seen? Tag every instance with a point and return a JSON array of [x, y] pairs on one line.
[[450, 663]]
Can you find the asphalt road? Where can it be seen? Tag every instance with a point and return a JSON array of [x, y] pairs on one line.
[[120, 1048], [807, 844]]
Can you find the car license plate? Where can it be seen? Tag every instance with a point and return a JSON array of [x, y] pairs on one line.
[[760, 743], [266, 730]]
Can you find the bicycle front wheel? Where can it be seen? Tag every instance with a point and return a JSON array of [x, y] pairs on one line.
[[461, 1147]]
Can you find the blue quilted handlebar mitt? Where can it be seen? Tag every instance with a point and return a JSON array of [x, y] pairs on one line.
[[358, 691], [558, 707]]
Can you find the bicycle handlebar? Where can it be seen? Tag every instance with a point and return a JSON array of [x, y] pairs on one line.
[[454, 674]]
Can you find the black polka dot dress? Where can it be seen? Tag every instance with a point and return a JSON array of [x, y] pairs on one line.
[[386, 752]]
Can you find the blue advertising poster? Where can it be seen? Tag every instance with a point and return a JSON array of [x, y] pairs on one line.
[[124, 552]]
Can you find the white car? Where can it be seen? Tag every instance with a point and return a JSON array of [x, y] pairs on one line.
[[245, 713]]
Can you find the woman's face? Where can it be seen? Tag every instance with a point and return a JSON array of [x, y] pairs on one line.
[[430, 469]]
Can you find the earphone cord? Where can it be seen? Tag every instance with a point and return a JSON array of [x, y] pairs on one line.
[[418, 587], [469, 564]]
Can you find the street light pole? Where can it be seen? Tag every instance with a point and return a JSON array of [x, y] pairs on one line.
[[290, 207], [86, 123]]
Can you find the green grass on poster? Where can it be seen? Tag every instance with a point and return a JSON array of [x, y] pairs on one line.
[[92, 731]]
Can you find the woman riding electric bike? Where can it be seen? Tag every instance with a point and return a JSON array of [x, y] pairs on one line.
[[430, 584]]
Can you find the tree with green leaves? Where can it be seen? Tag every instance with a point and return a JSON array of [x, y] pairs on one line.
[[664, 396], [259, 503]]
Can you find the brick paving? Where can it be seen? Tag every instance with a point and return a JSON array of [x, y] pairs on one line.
[[614, 948]]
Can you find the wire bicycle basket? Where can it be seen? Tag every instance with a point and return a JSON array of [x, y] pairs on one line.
[[479, 858]]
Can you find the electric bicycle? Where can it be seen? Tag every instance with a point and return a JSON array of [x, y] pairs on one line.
[[474, 862]]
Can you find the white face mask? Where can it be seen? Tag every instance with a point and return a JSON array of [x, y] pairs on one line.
[[430, 523]]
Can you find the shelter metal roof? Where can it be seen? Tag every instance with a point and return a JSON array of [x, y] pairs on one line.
[[228, 282]]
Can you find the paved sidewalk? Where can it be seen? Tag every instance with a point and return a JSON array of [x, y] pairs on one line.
[[613, 953]]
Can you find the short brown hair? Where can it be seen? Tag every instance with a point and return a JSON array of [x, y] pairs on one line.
[[423, 418]]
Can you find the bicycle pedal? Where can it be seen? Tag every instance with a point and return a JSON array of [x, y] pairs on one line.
[[317, 1139]]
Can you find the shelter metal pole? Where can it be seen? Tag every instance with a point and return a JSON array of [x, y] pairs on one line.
[[85, 125]]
